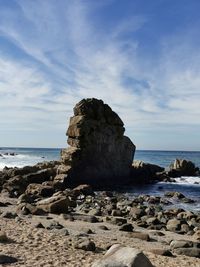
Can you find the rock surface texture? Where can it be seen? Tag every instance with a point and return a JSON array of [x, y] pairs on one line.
[[120, 256], [99, 153]]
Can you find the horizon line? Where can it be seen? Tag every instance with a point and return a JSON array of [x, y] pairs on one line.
[[30, 147]]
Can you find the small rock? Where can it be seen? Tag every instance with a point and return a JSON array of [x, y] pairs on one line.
[[85, 244], [37, 225], [9, 215], [180, 244], [173, 225], [103, 227], [162, 252], [4, 259], [190, 252], [118, 220], [3, 237], [127, 227], [140, 235]]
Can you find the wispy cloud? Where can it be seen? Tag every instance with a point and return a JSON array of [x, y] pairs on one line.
[[67, 56]]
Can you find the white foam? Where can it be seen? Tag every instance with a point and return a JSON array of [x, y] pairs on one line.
[[19, 160], [188, 180]]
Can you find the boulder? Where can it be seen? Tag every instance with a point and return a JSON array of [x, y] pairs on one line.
[[39, 190], [120, 256], [99, 153], [55, 204], [174, 225], [182, 167], [145, 172], [83, 189]]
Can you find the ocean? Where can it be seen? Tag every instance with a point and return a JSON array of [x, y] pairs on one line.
[[186, 185]]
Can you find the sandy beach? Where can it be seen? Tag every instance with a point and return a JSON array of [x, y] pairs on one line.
[[42, 247]]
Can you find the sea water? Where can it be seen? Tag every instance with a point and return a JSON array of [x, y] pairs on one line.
[[187, 185], [26, 156]]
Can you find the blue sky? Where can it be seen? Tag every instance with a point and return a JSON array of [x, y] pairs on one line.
[[141, 57]]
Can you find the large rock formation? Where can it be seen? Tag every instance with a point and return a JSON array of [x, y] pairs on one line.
[[99, 153]]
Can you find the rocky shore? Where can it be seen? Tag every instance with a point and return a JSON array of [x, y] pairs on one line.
[[76, 227], [69, 213]]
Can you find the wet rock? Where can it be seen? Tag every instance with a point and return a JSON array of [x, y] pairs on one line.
[[120, 256]]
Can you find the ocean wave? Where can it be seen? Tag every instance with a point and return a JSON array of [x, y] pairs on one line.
[[19, 160], [188, 180], [185, 180]]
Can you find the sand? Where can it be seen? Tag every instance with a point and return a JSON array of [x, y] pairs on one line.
[[44, 248]]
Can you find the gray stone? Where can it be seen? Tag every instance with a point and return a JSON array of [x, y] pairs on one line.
[[173, 225], [140, 235], [55, 204], [85, 244], [181, 244], [120, 256], [190, 252]]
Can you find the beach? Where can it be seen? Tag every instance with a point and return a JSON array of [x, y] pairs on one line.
[[54, 241]]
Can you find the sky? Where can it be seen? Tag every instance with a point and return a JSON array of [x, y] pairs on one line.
[[141, 57]]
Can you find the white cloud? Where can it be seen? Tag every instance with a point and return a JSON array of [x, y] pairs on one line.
[[76, 61]]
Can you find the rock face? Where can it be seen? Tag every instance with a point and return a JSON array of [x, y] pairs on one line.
[[99, 153]]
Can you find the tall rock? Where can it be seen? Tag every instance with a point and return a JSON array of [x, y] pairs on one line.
[[99, 153]]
